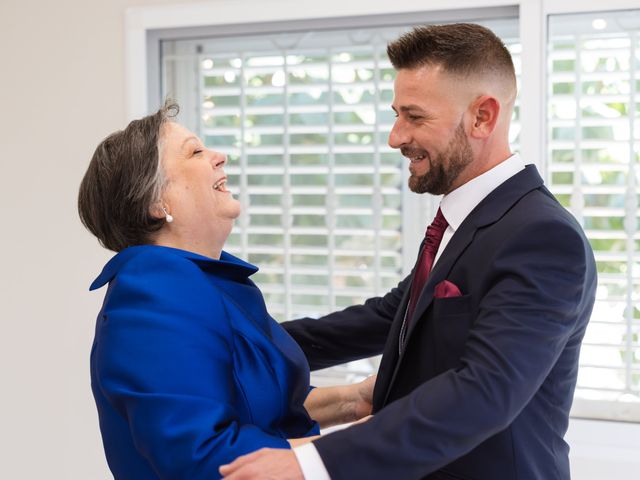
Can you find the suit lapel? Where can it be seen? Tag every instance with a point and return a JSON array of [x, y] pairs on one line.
[[387, 370], [455, 247], [488, 211]]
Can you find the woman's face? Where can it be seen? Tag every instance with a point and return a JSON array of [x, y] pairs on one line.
[[195, 194]]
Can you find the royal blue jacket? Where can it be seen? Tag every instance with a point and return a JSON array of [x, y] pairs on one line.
[[188, 369]]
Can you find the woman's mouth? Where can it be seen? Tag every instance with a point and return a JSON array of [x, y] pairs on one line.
[[221, 185]]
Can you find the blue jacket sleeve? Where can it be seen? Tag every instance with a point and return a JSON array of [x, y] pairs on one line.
[[164, 360]]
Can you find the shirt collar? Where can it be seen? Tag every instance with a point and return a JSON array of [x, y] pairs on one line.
[[458, 204], [227, 265]]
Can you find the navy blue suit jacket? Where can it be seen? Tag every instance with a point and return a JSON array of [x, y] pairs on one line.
[[483, 387], [188, 370]]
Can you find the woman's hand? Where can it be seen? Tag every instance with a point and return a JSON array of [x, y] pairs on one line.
[[363, 397], [331, 406]]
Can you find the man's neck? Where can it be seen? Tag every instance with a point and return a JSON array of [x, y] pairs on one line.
[[482, 164]]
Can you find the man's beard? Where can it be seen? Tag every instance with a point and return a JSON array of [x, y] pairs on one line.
[[446, 167]]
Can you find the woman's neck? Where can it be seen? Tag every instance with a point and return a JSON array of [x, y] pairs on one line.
[[209, 245]]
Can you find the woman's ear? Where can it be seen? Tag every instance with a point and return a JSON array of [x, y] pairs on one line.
[[156, 210], [486, 111]]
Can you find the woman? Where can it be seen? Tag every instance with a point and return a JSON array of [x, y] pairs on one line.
[[188, 369]]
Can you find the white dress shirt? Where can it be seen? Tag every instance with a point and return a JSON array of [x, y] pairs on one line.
[[455, 206]]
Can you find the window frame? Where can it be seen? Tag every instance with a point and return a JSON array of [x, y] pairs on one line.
[[144, 24]]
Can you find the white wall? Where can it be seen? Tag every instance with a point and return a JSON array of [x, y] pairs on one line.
[[604, 450], [62, 89]]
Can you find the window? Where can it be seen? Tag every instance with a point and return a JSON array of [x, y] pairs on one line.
[[303, 126], [304, 118], [593, 158], [340, 190]]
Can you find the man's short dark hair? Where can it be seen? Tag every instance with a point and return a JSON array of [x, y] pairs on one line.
[[124, 179], [460, 48]]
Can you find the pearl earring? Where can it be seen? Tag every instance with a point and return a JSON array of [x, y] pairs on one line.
[[168, 217]]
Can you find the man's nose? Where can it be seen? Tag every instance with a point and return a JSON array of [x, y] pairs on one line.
[[398, 135]]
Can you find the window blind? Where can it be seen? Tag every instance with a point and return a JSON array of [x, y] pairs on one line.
[[593, 156], [304, 119]]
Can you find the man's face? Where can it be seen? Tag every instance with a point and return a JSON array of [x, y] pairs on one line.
[[429, 129]]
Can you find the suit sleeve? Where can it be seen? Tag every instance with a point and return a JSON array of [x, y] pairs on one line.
[[357, 332], [165, 362], [540, 292]]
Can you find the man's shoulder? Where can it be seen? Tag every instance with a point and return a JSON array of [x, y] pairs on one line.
[[536, 218], [540, 205]]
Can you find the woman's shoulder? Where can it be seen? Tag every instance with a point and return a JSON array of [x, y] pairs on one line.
[[148, 262], [165, 268], [156, 282], [159, 276]]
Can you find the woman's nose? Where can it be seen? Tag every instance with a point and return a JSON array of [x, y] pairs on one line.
[[218, 159]]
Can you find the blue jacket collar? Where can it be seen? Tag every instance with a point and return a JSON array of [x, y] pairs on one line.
[[228, 265]]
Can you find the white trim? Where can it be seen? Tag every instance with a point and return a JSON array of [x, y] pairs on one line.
[[135, 63], [616, 410], [251, 11], [532, 105], [552, 7], [140, 20]]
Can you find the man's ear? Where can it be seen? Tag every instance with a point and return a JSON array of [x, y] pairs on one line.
[[485, 111]]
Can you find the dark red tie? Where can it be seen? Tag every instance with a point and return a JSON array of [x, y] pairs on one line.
[[435, 231]]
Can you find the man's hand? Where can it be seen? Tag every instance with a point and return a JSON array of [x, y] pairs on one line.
[[265, 464]]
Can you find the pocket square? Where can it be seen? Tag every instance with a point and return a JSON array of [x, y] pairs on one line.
[[446, 289]]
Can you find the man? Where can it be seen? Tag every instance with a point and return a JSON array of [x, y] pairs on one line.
[[481, 356]]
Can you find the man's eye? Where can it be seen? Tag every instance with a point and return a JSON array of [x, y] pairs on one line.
[[196, 152], [413, 118]]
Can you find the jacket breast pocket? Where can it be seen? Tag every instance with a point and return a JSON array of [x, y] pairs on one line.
[[452, 319], [451, 306]]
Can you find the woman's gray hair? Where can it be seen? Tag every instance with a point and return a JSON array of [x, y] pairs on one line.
[[124, 180]]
